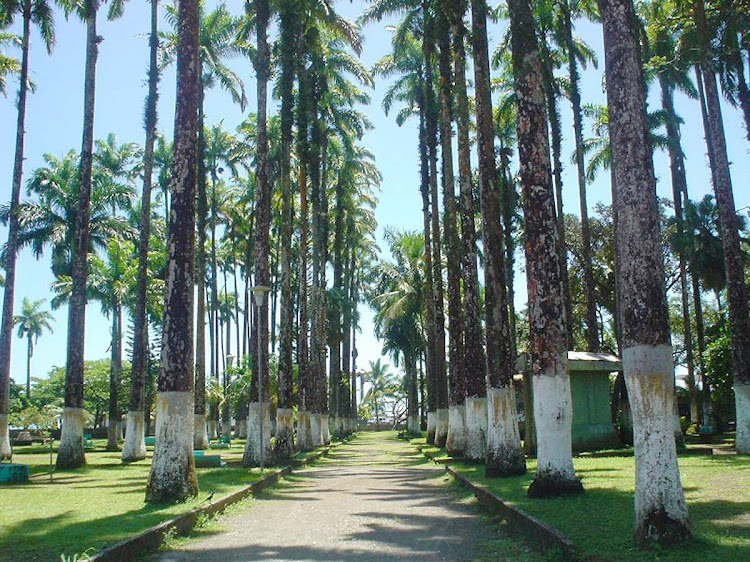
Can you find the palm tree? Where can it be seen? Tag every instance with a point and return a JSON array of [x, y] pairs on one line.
[[173, 477], [39, 13], [134, 447], [739, 314], [552, 398], [661, 514], [568, 10], [32, 322], [262, 64], [9, 66], [474, 358], [400, 303], [381, 382], [70, 453], [503, 448]]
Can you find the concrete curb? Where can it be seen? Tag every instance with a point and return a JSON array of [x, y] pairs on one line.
[[538, 534], [152, 538]]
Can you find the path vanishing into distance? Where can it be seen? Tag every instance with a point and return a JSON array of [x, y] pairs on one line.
[[374, 498]]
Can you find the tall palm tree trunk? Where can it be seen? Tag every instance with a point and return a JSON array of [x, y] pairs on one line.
[[661, 514], [200, 429], [256, 441], [29, 354], [739, 315], [173, 476], [456, 438], [592, 331], [679, 188], [338, 391], [134, 448], [424, 189], [473, 353], [503, 449], [552, 399], [71, 453], [11, 248], [431, 129], [115, 380]]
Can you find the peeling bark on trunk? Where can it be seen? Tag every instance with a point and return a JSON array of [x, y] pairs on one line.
[[739, 315], [497, 326], [552, 399], [661, 514], [11, 248], [173, 476], [134, 447], [71, 454]]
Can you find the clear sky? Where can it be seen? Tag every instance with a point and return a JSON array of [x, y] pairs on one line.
[[54, 126]]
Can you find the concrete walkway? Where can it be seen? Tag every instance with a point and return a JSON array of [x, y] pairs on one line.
[[372, 499]]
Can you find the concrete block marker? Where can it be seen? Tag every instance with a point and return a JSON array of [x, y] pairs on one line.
[[13, 473], [152, 538]]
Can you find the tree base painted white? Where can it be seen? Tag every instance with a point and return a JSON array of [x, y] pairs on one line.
[[304, 432], [257, 447], [504, 455], [212, 430], [113, 434], [661, 514], [70, 454], [742, 407], [455, 443], [553, 418], [412, 425], [6, 451], [431, 426], [337, 426], [173, 477], [476, 428], [441, 427], [240, 429], [325, 429], [134, 448], [316, 429], [284, 447], [200, 432]]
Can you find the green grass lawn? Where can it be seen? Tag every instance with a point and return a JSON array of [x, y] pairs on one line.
[[600, 522], [95, 506]]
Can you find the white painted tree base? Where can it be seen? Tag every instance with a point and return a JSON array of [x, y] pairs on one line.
[[455, 443], [504, 455], [441, 427], [304, 434], [742, 407], [200, 432], [316, 429], [476, 428], [70, 454], [6, 451], [254, 445], [325, 429], [240, 429], [284, 447], [431, 426], [173, 477], [661, 514], [553, 418], [412, 425], [212, 431], [134, 447]]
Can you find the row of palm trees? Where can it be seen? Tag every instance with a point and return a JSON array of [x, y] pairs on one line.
[[308, 157], [471, 404]]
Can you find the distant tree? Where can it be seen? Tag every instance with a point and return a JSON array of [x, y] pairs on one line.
[[32, 322]]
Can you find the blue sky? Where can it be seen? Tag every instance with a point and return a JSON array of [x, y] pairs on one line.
[[54, 126]]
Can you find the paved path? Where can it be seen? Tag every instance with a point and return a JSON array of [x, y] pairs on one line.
[[372, 499]]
